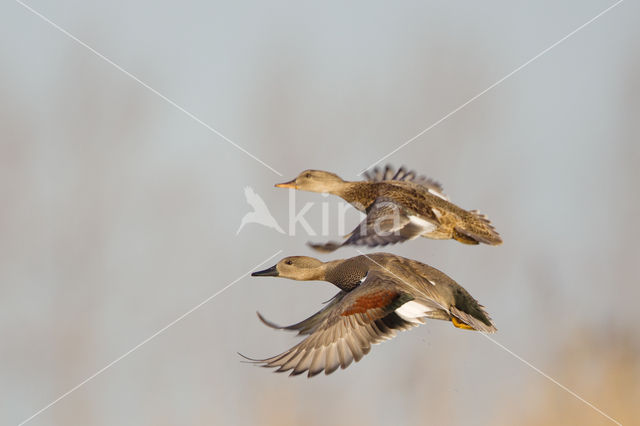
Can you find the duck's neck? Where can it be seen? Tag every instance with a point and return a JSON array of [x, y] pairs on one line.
[[360, 194], [345, 274], [312, 274]]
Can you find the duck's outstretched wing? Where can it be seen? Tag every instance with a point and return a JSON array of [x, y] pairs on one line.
[[388, 173], [310, 324], [362, 317], [386, 223]]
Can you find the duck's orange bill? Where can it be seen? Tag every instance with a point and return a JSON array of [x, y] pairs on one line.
[[290, 184]]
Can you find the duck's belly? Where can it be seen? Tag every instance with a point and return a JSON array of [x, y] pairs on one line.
[[413, 311]]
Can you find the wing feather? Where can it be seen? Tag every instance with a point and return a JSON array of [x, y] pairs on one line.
[[386, 223], [348, 327], [431, 185]]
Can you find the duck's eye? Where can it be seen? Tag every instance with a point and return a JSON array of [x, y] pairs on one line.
[[308, 175], [288, 262]]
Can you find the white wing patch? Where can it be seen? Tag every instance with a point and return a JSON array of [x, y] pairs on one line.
[[438, 194], [413, 311], [437, 213], [425, 225]]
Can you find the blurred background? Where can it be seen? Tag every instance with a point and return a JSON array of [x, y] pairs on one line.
[[119, 212]]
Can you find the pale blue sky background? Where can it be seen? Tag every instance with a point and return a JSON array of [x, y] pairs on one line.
[[119, 212]]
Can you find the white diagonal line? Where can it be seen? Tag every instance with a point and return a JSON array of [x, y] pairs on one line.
[[142, 83], [493, 85], [136, 347], [542, 373], [514, 354]]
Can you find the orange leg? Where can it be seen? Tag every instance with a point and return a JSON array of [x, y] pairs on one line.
[[456, 322]]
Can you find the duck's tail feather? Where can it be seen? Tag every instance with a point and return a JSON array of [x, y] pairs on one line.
[[477, 230], [469, 312], [472, 322]]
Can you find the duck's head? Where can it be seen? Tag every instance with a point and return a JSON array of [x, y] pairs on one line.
[[300, 268], [314, 181]]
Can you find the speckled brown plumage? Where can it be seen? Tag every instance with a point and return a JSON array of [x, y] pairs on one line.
[[400, 206]]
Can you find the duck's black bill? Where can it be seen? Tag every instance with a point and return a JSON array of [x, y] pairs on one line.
[[270, 272]]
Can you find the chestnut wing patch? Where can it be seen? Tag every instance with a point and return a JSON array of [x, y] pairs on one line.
[[377, 299], [385, 300]]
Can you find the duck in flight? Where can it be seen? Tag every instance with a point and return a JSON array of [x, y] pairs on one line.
[[380, 294], [400, 206]]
